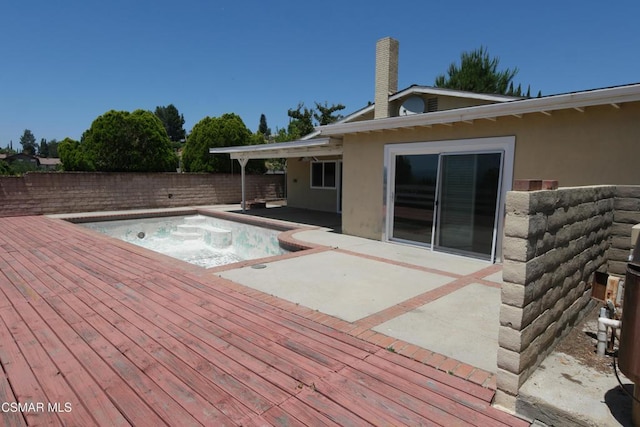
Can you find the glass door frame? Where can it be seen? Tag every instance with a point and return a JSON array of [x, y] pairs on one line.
[[435, 243], [505, 144]]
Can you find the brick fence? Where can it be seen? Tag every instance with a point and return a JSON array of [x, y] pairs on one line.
[[67, 192], [553, 242], [626, 215]]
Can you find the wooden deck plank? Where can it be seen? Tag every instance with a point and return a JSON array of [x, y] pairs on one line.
[[247, 340], [295, 412], [201, 363], [261, 319], [135, 334], [125, 258], [17, 367], [430, 404], [149, 341], [397, 372], [328, 407], [441, 387], [467, 387], [179, 392], [225, 354], [179, 374], [9, 418], [90, 394], [371, 406], [265, 326], [11, 362], [54, 385]]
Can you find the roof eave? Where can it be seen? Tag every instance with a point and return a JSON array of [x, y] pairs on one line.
[[612, 96], [300, 148]]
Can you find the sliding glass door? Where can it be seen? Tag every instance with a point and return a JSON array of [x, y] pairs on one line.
[[414, 195], [469, 186], [448, 201]]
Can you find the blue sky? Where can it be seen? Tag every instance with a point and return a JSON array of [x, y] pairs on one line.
[[62, 64]]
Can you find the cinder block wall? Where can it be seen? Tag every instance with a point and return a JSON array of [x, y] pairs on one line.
[[554, 241], [626, 215], [67, 192]]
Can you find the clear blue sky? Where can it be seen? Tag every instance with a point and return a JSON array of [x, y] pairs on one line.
[[62, 64]]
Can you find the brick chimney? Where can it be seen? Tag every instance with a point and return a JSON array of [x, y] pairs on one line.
[[386, 75]]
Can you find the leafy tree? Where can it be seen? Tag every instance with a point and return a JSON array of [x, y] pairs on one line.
[[225, 131], [119, 141], [74, 156], [300, 121], [53, 148], [478, 72], [325, 114], [4, 168], [20, 168], [263, 129], [173, 122], [28, 142]]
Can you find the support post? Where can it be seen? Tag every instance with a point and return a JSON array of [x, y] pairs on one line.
[[243, 162]]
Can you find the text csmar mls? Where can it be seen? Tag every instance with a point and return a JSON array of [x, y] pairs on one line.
[[34, 407]]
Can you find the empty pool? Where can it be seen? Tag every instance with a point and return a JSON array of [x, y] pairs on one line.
[[198, 239]]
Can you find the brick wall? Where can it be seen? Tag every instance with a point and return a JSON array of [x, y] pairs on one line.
[[626, 215], [66, 192], [553, 241]]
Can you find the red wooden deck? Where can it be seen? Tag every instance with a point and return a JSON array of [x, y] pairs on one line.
[[94, 332]]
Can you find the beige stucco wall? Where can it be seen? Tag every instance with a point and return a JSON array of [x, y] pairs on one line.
[[299, 191], [598, 146]]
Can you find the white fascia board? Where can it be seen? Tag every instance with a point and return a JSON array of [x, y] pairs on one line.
[[615, 95], [313, 147], [451, 92]]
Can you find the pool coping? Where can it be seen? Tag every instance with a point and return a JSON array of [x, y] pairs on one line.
[[286, 240]]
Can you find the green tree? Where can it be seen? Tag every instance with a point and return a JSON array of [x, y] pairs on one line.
[[28, 142], [119, 141], [225, 131], [478, 72], [4, 168], [173, 122], [325, 114], [43, 149], [300, 121], [74, 156], [263, 129], [53, 148]]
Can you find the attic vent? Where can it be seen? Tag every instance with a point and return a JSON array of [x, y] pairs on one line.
[[432, 105]]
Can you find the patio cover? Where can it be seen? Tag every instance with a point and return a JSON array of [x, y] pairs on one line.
[[300, 148]]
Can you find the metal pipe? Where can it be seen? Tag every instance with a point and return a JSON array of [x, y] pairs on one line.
[[243, 163]]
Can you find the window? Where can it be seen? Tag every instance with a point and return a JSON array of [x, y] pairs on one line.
[[323, 175]]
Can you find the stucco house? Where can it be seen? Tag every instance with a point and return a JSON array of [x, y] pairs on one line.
[[431, 167]]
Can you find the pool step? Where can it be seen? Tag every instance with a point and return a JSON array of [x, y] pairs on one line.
[[217, 237], [185, 235], [196, 229], [190, 228]]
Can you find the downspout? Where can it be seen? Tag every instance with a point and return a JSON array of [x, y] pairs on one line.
[[243, 162]]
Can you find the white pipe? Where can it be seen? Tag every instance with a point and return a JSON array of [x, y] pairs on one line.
[[612, 323], [603, 324]]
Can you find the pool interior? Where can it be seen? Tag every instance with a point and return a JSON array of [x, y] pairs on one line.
[[198, 239]]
